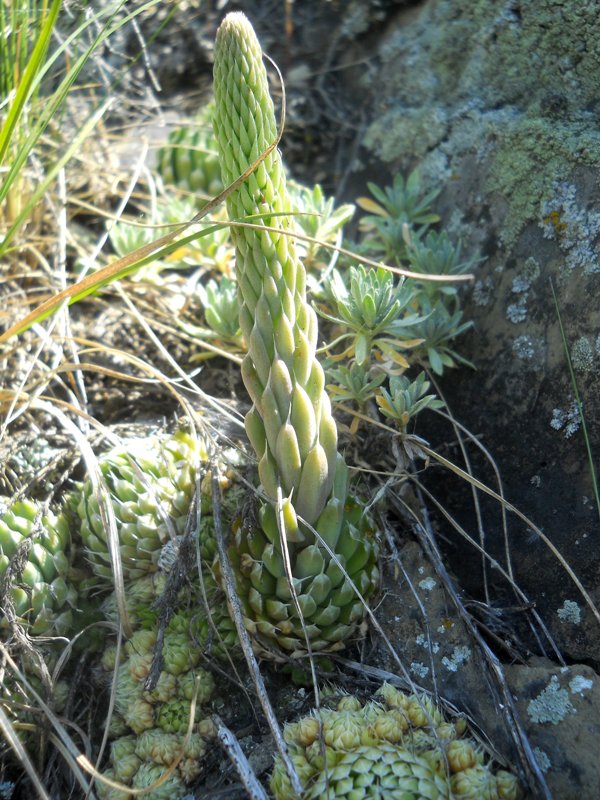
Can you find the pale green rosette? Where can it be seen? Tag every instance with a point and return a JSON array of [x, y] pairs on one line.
[[37, 581], [290, 424], [151, 483], [384, 749]]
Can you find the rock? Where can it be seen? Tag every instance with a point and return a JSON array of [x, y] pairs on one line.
[[429, 637], [561, 713], [557, 708], [498, 102]]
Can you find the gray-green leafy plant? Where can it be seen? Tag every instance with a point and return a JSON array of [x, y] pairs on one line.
[[402, 209], [375, 308], [354, 383], [437, 331], [406, 398], [318, 217], [435, 254], [221, 308]]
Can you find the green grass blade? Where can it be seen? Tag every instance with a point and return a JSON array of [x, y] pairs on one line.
[[50, 108], [55, 101], [25, 214], [26, 85], [578, 401]]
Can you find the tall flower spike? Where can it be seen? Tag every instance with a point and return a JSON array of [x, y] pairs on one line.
[[290, 424]]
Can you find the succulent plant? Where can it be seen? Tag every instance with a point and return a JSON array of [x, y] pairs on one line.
[[290, 424], [140, 761], [151, 483], [395, 745], [220, 304], [189, 159], [383, 771], [390, 224], [150, 774], [377, 311], [435, 332], [17, 701], [406, 398], [150, 725], [478, 783], [37, 581], [317, 217], [436, 255]]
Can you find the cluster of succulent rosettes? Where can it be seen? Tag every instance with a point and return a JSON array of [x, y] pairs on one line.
[[394, 746], [201, 613], [37, 579], [151, 483], [152, 724], [190, 160], [141, 761], [330, 591]]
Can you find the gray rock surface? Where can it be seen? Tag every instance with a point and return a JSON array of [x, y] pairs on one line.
[[557, 710], [561, 713], [499, 103]]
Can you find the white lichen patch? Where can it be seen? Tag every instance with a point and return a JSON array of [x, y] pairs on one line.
[[517, 312], [582, 355], [579, 684], [520, 284], [523, 348], [551, 705], [419, 669], [460, 655], [566, 420], [542, 759], [570, 612], [575, 228], [423, 641], [530, 349], [427, 584]]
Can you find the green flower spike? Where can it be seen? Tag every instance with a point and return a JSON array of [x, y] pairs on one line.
[[290, 424]]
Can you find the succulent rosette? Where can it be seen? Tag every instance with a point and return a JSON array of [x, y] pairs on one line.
[[189, 159], [328, 543], [151, 482], [393, 746], [37, 580]]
